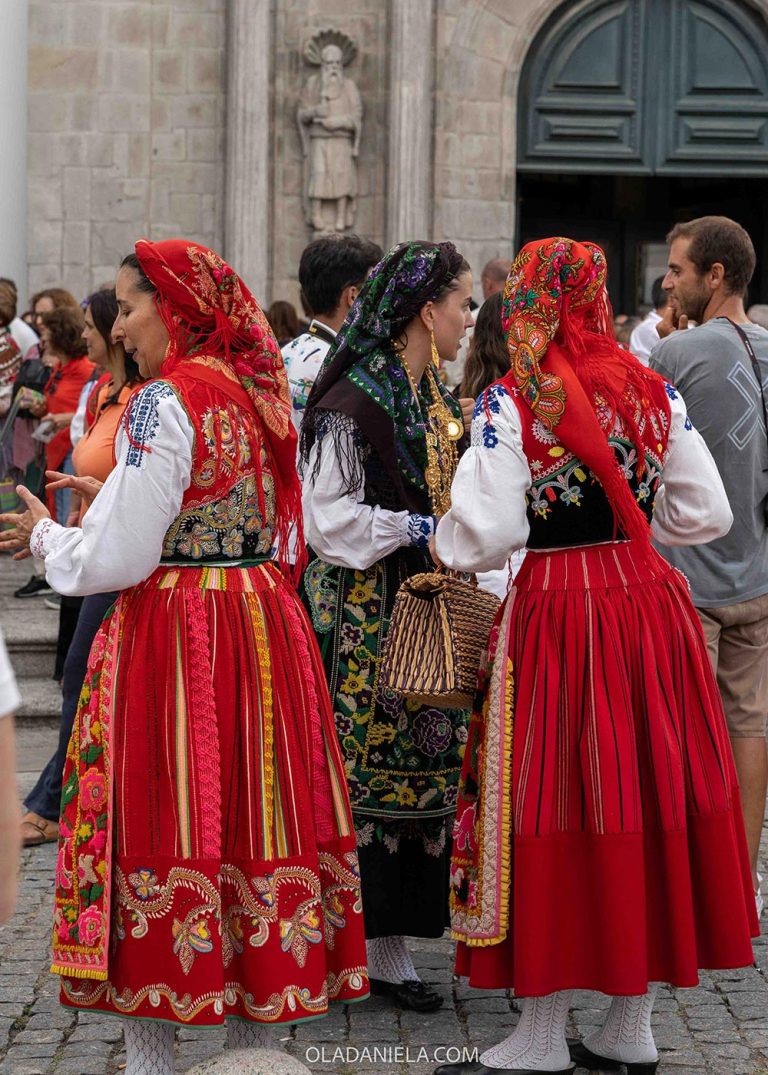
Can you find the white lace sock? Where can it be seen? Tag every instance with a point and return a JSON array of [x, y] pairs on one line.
[[148, 1047], [390, 961], [626, 1034], [538, 1040], [243, 1034]]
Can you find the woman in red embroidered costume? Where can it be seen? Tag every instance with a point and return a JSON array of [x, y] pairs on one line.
[[598, 841], [207, 865]]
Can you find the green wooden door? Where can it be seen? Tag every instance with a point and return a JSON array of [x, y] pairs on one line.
[[650, 87]]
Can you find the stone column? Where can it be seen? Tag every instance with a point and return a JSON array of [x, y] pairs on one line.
[[13, 136], [411, 108], [247, 223]]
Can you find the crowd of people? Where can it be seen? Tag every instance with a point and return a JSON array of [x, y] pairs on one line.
[[251, 822]]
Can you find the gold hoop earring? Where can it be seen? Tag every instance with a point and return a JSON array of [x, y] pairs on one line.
[[435, 353]]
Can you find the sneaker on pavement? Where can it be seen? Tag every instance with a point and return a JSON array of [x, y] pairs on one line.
[[54, 602], [36, 587]]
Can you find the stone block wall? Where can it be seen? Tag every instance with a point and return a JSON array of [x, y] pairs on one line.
[[125, 131], [295, 21], [480, 50]]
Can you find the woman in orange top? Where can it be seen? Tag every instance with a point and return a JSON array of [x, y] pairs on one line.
[[92, 458]]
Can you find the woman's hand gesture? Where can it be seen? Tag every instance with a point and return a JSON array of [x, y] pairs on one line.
[[22, 524], [86, 488]]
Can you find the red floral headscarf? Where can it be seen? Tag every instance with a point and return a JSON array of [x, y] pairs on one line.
[[559, 329], [207, 309]]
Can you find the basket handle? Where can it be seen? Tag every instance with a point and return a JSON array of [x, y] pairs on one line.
[[449, 572]]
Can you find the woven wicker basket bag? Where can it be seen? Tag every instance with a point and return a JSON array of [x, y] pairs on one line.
[[437, 633]]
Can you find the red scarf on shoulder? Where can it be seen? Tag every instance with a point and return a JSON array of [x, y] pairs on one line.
[[208, 310], [559, 330]]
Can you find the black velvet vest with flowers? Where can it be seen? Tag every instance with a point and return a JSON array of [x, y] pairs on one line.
[[566, 504]]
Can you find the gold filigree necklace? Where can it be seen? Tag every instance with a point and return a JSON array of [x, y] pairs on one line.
[[442, 432]]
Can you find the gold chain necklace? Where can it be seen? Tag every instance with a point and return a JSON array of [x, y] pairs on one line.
[[443, 431]]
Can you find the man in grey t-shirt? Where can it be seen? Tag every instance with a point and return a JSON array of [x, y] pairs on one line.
[[711, 261]]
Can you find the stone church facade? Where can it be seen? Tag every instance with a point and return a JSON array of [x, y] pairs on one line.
[[179, 117]]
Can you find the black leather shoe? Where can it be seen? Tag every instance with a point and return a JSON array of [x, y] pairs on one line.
[[585, 1058], [413, 995], [475, 1068]]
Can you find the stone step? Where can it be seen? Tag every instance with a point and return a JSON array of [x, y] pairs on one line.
[[30, 636], [32, 659], [40, 699], [29, 627]]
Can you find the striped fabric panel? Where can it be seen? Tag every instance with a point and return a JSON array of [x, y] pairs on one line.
[[268, 780]]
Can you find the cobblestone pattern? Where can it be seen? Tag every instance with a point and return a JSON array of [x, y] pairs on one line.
[[721, 1028], [125, 131]]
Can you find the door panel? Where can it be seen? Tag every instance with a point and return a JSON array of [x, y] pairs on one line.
[[586, 96], [718, 90], [649, 87]]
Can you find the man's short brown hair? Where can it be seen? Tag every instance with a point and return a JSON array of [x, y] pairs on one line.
[[719, 239]]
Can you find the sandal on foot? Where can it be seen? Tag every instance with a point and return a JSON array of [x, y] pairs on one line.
[[40, 830]]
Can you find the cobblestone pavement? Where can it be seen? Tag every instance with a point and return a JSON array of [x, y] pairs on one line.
[[720, 1028]]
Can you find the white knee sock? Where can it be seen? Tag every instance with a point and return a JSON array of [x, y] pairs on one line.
[[626, 1034], [243, 1034], [390, 961], [148, 1047], [538, 1040]]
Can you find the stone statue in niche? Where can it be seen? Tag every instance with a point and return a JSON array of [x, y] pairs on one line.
[[330, 116]]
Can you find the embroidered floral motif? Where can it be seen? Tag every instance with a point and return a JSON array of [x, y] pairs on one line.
[[488, 402], [321, 587], [432, 732], [299, 931], [143, 421], [144, 883], [82, 909], [559, 478], [290, 1004], [191, 937], [39, 539], [237, 525], [544, 392], [420, 529], [541, 433], [253, 906], [490, 437], [670, 390], [401, 759]]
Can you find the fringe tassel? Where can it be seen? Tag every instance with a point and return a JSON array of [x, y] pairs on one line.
[[79, 972]]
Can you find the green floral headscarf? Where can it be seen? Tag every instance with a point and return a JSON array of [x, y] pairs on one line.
[[364, 379]]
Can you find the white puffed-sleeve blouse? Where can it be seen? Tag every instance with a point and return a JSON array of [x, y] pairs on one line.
[[487, 521]]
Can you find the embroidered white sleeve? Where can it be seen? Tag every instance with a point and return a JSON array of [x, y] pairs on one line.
[[691, 505], [343, 530], [121, 540], [487, 520]]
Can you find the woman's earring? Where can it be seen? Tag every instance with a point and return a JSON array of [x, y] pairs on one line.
[[435, 353]]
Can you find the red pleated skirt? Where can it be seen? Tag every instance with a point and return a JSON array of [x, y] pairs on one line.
[[234, 877], [628, 858]]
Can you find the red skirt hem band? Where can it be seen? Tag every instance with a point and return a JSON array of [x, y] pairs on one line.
[[613, 913]]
